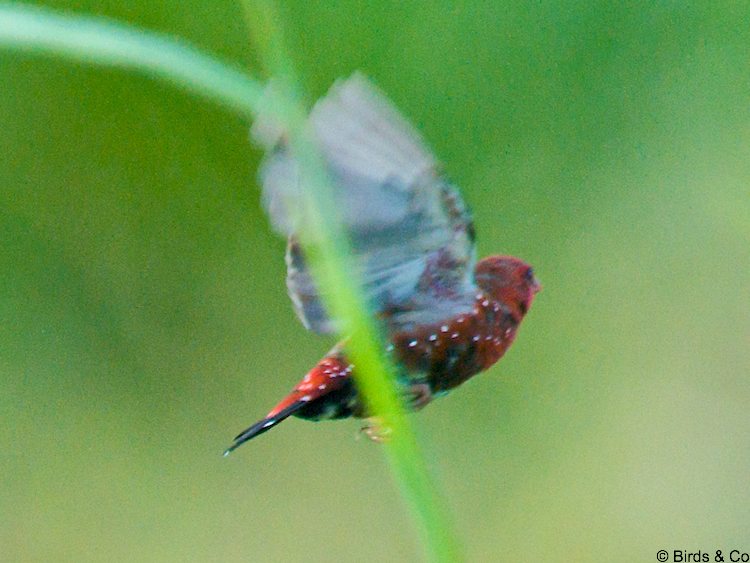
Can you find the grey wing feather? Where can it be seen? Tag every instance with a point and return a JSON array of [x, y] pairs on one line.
[[410, 232]]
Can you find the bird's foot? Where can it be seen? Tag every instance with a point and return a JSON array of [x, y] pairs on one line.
[[419, 396], [376, 431]]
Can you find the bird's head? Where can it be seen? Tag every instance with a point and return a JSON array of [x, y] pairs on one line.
[[509, 280]]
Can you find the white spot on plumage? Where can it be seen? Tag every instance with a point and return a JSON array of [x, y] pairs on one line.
[[412, 344], [444, 328], [322, 386], [305, 398], [475, 338], [454, 335], [433, 337], [268, 423]]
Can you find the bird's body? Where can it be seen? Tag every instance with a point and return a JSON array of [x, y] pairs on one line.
[[447, 318]]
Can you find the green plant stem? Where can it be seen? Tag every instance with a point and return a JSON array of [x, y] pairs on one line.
[[105, 43], [102, 42], [327, 250]]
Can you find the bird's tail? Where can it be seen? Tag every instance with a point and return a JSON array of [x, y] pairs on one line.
[[264, 425], [330, 376]]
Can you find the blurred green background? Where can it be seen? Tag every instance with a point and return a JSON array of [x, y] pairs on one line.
[[144, 319]]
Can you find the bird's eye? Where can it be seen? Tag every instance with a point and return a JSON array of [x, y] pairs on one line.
[[529, 275]]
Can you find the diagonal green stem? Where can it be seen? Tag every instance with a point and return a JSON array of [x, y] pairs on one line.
[[105, 43], [102, 42]]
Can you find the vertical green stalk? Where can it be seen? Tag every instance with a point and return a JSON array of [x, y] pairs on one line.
[[105, 43], [327, 249]]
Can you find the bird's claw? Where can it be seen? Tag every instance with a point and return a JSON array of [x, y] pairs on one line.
[[376, 431], [419, 396]]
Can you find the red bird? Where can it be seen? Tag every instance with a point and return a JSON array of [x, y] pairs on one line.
[[412, 237]]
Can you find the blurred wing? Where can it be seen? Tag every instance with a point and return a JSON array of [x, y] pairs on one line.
[[410, 232]]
